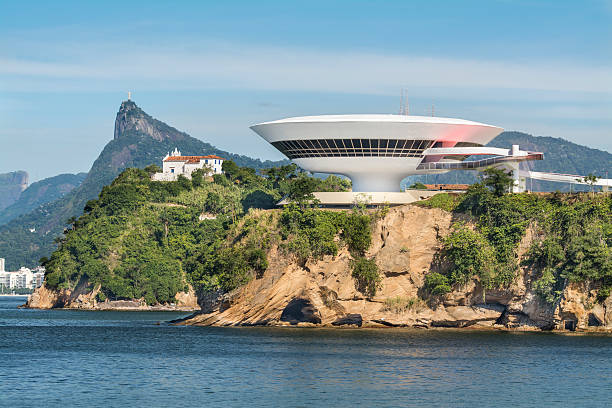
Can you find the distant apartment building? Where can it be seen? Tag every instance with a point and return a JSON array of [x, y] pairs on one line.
[[175, 165], [24, 278]]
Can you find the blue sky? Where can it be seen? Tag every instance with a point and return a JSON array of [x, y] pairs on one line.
[[214, 68]]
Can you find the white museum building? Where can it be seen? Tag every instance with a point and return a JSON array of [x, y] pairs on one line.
[[377, 151], [175, 165]]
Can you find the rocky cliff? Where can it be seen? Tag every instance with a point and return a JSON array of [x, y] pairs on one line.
[[405, 244], [85, 298]]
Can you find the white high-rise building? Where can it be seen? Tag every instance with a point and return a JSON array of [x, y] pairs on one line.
[[24, 278], [1, 264]]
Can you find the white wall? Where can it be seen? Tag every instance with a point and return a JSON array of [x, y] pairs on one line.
[[185, 169]]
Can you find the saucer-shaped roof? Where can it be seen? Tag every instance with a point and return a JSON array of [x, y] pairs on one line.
[[376, 126]]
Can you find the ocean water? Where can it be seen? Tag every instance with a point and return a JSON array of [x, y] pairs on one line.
[[101, 359]]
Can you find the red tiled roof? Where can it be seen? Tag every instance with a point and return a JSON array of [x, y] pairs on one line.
[[191, 159]]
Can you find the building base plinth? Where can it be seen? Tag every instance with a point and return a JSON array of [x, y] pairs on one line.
[[349, 198]]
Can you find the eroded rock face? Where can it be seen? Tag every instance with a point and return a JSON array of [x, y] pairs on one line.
[[404, 244], [44, 298], [131, 118], [85, 297], [300, 310]]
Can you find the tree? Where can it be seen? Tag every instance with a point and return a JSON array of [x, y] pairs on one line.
[[497, 180], [197, 177], [301, 189], [591, 179], [279, 174], [230, 169], [213, 203], [152, 169], [367, 278]]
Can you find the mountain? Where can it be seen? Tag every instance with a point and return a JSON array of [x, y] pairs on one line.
[[560, 156], [41, 192], [139, 140], [11, 186]]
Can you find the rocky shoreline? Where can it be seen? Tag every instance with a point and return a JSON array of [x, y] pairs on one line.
[[43, 298]]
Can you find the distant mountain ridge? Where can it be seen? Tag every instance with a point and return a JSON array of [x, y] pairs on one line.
[[138, 141], [560, 156], [11, 186], [40, 193]]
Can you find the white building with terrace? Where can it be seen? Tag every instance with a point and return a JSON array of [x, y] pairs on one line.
[[175, 165], [24, 278]]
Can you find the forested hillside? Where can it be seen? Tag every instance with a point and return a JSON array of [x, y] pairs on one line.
[[144, 238], [139, 140]]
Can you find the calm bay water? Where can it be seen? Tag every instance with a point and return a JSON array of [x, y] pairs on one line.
[[78, 358]]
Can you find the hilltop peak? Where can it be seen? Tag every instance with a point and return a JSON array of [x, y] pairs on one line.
[[128, 105], [132, 119]]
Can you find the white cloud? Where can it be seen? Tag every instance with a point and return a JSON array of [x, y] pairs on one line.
[[240, 66]]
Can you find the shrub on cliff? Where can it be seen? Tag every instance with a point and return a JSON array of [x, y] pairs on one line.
[[576, 245], [436, 284], [357, 232], [572, 239], [367, 278], [469, 254]]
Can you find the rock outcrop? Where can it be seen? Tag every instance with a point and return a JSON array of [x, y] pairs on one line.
[[84, 297], [405, 242]]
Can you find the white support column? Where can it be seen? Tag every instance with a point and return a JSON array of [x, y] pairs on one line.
[[516, 186]]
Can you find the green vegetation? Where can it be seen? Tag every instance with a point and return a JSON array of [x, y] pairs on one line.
[[573, 241], [576, 245], [149, 239], [365, 273], [401, 304], [445, 201], [24, 240], [418, 186], [498, 180], [40, 193], [436, 284], [469, 253], [17, 291], [146, 239]]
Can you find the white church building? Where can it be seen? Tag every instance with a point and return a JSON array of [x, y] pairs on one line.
[[175, 165]]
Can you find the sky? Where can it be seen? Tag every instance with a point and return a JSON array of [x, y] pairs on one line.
[[213, 68]]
